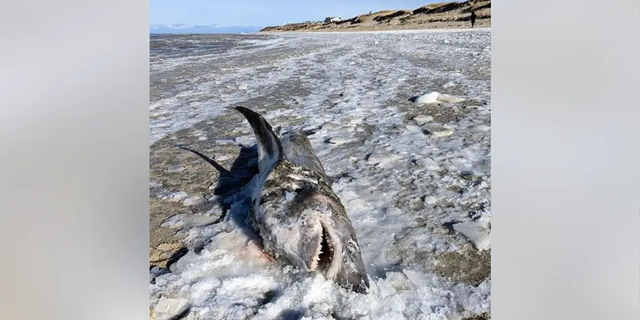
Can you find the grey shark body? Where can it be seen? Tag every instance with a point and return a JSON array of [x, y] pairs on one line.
[[295, 211]]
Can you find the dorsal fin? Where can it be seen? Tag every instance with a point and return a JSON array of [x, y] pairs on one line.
[[269, 146]]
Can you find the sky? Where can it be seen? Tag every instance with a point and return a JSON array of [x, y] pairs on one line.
[[252, 15]]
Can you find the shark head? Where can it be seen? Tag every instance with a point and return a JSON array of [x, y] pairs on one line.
[[328, 242], [297, 213]]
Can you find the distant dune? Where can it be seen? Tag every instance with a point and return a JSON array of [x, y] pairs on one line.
[[432, 16]]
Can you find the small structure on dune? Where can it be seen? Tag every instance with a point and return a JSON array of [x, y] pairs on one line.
[[332, 19]]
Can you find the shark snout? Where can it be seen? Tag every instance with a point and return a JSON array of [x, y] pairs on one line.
[[352, 272]]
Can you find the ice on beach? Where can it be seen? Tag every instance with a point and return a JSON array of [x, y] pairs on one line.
[[192, 220], [193, 200], [437, 130], [428, 98], [449, 98], [422, 119], [476, 233], [174, 196], [166, 308]]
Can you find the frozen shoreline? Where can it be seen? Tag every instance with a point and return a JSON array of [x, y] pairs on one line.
[[403, 182]]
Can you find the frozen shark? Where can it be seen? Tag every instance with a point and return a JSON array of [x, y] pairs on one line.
[[294, 209]]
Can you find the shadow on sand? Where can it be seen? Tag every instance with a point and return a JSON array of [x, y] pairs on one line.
[[230, 182]]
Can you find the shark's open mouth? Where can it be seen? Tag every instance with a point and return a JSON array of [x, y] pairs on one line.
[[326, 258], [325, 255]]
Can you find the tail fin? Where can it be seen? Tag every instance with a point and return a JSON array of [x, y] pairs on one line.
[[269, 146]]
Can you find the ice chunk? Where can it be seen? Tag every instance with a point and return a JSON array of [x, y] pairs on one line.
[[422, 119], [476, 233], [450, 98], [183, 262], [428, 98], [193, 200], [168, 308], [438, 131]]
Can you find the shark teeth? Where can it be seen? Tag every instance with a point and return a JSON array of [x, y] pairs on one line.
[[313, 265], [322, 257], [325, 252]]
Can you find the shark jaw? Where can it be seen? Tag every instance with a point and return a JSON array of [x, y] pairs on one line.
[[327, 257]]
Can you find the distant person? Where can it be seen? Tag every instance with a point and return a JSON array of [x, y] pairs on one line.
[[473, 18]]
